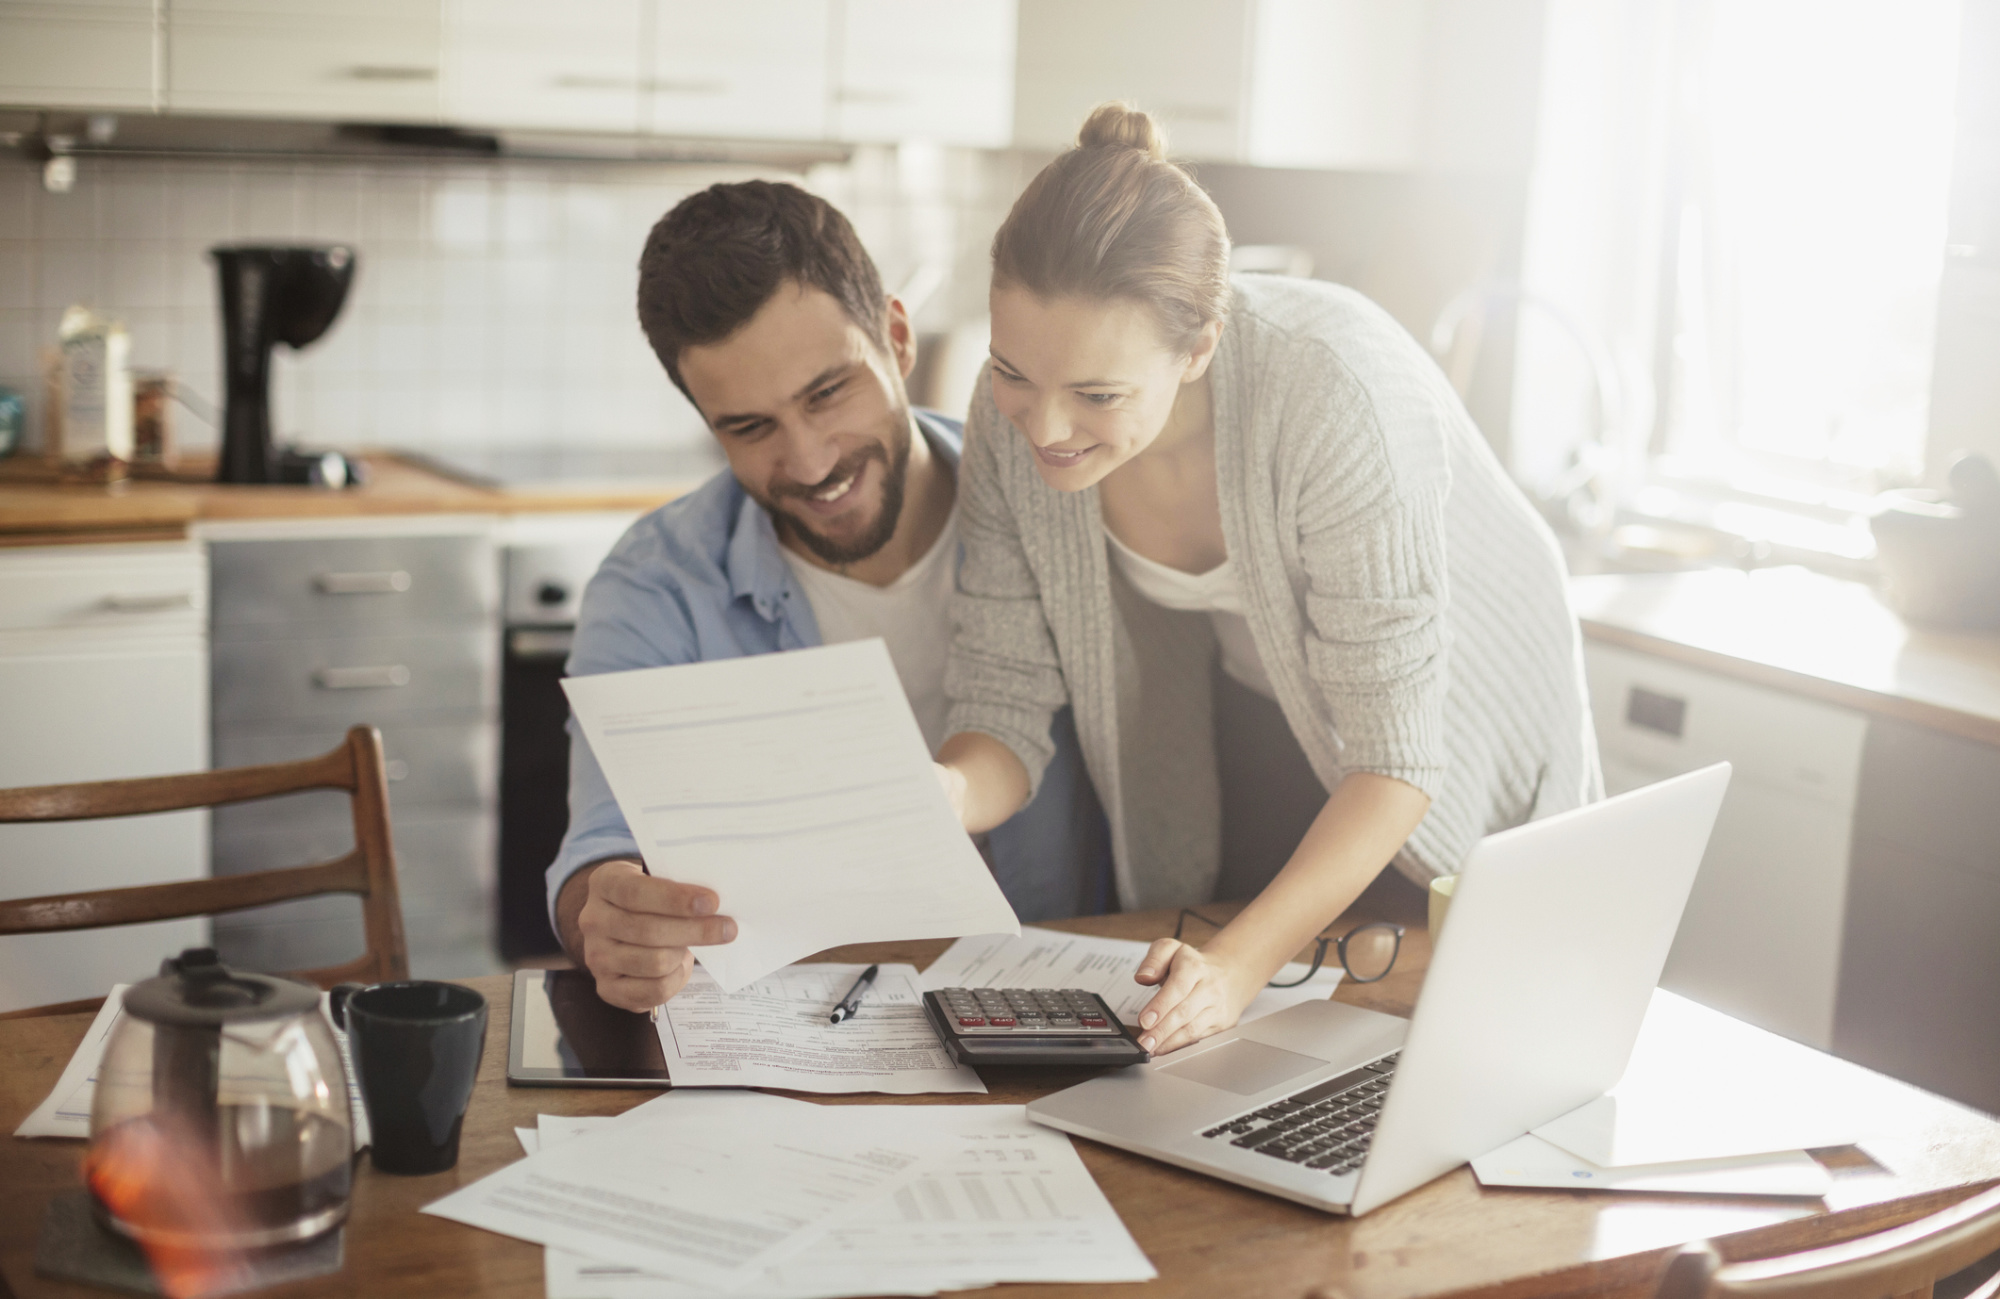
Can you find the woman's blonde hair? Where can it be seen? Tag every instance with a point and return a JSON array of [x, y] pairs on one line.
[[1112, 218]]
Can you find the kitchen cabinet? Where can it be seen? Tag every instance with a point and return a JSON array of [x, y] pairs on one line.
[[387, 623], [79, 54], [1761, 937], [752, 69], [352, 60], [1335, 84], [507, 65], [103, 675], [917, 70]]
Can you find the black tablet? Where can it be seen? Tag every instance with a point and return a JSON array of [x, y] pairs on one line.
[[563, 1035]]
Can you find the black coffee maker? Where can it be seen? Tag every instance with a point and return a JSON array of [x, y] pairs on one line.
[[270, 295]]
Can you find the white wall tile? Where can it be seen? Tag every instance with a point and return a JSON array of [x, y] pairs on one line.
[[492, 302]]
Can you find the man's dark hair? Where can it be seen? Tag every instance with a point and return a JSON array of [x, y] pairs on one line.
[[714, 260]]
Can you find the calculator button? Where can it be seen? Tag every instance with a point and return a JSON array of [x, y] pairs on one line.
[[1093, 1021], [1003, 1021], [971, 1021]]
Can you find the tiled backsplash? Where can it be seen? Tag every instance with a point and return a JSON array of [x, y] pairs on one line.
[[493, 305]]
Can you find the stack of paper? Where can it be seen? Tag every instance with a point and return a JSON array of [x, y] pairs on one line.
[[775, 1033], [1708, 1105], [1046, 958], [769, 1198]]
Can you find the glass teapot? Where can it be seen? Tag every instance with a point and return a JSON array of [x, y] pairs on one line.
[[220, 1120]]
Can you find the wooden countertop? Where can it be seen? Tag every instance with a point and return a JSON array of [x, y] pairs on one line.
[[1806, 633], [36, 510]]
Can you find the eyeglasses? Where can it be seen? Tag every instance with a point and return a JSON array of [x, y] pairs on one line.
[[1367, 952]]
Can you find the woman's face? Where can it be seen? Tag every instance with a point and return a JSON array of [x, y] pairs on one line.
[[1089, 383]]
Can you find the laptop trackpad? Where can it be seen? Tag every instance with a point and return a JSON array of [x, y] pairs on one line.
[[1244, 1067]]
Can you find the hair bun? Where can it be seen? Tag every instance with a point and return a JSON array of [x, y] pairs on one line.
[[1118, 125]]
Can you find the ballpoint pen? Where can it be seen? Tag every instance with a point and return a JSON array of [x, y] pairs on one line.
[[851, 1003]]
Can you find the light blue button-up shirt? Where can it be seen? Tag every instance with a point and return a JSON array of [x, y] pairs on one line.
[[702, 578]]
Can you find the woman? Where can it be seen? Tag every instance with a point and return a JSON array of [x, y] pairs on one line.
[[1166, 463]]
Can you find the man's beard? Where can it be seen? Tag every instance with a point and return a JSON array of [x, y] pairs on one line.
[[840, 553]]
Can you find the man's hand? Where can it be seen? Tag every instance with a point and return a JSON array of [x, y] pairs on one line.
[[1198, 995], [632, 931]]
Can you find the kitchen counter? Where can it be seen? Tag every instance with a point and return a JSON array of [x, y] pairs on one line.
[[1806, 633], [36, 510]]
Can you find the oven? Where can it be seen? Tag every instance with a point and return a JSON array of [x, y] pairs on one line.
[[547, 561]]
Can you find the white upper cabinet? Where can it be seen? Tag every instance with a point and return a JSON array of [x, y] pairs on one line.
[[78, 54], [518, 63], [352, 60], [1354, 85], [924, 70], [746, 69], [1185, 61]]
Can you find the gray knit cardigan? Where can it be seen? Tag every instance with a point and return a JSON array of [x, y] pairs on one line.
[[1407, 602]]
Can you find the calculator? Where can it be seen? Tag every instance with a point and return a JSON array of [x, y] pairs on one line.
[[1031, 1026]]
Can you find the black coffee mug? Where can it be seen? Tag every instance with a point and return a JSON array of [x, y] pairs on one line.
[[416, 1050]]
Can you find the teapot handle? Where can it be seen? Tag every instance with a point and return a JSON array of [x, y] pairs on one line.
[[337, 997]]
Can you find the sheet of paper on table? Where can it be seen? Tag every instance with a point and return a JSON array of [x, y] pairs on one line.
[[703, 1189], [1009, 1201], [65, 1112], [774, 1033], [1046, 958], [798, 787], [1530, 1161], [1703, 1085]]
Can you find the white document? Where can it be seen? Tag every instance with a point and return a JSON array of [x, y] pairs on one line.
[[774, 1033], [1530, 1161], [1703, 1085], [1010, 1201], [710, 1190], [798, 787], [65, 1112], [1047, 958]]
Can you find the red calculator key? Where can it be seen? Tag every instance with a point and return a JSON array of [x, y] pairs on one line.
[[973, 1021], [1092, 1021], [1001, 1021]]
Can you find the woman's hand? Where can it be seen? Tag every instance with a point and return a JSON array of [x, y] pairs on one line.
[[1198, 995]]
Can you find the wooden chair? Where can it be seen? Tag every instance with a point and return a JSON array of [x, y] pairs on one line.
[[370, 870], [1900, 1263]]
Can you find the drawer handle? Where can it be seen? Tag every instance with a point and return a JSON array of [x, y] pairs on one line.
[[1666, 714], [386, 583], [152, 602], [373, 678]]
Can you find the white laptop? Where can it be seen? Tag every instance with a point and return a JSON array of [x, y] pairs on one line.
[[1556, 938]]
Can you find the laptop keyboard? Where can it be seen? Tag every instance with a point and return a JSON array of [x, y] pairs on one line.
[[1327, 1126]]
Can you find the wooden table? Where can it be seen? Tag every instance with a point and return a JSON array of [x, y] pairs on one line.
[[1206, 1237]]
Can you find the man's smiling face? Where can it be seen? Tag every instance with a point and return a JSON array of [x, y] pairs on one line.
[[811, 412]]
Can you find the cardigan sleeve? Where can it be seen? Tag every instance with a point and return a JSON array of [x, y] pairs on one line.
[[1003, 675], [1373, 478]]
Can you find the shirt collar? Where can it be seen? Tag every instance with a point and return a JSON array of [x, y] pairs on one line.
[[756, 569]]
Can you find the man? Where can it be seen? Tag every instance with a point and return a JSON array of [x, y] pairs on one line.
[[835, 521]]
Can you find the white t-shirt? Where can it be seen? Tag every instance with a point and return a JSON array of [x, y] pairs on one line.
[[912, 614], [1216, 593]]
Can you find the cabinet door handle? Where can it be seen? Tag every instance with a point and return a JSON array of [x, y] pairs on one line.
[[390, 582], [370, 678], [150, 602], [1666, 714]]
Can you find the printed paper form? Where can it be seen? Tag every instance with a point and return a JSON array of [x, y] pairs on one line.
[[798, 787], [774, 1033], [1530, 1161], [1012, 1202], [1046, 958], [65, 1112], [697, 1190]]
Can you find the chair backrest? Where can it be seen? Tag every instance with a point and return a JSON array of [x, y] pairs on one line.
[[1902, 1261], [369, 871]]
